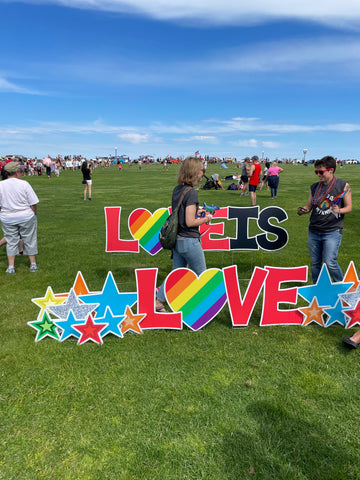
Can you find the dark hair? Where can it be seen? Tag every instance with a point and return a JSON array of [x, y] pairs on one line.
[[84, 166], [327, 162], [267, 164], [4, 174]]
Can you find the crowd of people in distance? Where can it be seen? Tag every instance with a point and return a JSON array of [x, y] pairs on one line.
[[51, 166]]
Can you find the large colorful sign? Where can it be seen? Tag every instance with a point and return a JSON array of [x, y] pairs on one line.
[[194, 302], [145, 226]]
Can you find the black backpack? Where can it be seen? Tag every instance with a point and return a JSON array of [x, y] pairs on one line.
[[169, 230]]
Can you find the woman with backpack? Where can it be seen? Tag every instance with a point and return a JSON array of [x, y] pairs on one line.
[[187, 251]]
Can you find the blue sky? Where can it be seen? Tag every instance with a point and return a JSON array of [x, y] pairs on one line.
[[225, 78]]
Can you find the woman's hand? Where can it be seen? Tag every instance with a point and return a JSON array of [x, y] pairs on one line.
[[302, 210]]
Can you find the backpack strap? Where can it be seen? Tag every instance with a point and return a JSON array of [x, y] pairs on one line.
[[183, 195]]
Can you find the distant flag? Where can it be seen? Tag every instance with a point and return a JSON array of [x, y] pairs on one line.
[[167, 156], [197, 152]]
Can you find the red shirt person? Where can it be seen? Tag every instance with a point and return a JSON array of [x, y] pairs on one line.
[[255, 171]]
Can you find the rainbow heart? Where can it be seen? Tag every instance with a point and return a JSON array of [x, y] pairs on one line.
[[145, 227], [199, 299]]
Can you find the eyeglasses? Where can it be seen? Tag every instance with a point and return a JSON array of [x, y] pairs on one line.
[[321, 172]]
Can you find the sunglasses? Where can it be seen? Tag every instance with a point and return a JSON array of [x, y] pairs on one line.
[[321, 172]]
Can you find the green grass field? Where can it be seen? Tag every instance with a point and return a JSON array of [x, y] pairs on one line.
[[222, 403]]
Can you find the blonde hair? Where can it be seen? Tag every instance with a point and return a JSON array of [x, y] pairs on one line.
[[189, 171]]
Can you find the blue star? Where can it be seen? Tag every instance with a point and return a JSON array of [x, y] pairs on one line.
[[110, 297], [79, 310], [335, 315], [324, 290], [67, 325], [113, 322]]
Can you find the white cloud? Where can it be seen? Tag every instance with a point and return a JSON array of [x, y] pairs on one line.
[[199, 138], [267, 144], [207, 131], [251, 143], [292, 55], [227, 12], [329, 59], [134, 137], [8, 87]]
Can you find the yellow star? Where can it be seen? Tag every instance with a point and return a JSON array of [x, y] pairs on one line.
[[48, 300], [312, 313], [131, 321]]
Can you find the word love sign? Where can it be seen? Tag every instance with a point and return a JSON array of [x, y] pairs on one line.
[[195, 301], [145, 226]]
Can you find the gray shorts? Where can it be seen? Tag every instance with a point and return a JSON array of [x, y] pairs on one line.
[[25, 230]]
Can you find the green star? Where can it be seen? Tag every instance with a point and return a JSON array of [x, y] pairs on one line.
[[45, 328]]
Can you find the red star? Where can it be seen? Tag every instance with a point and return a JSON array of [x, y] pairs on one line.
[[354, 315], [90, 331]]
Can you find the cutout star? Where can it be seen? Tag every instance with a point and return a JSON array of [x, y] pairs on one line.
[[335, 315], [45, 328], [113, 323], [110, 297], [354, 316], [48, 300], [80, 310], [80, 287], [325, 291], [90, 331], [313, 313], [67, 326], [131, 321], [351, 298], [351, 276]]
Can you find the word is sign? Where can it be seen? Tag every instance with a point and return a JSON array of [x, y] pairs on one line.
[[145, 226]]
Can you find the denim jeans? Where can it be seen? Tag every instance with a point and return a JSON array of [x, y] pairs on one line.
[[273, 182], [323, 247], [187, 253]]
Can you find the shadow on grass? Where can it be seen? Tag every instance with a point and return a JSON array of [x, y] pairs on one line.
[[283, 446]]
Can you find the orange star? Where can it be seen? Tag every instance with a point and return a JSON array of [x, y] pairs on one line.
[[80, 286], [313, 313], [351, 276], [131, 321]]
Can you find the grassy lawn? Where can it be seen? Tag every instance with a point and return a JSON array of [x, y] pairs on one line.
[[221, 403]]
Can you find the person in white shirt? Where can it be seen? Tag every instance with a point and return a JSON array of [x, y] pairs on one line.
[[18, 216]]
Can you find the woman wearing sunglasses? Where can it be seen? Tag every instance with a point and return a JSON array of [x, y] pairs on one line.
[[329, 199]]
